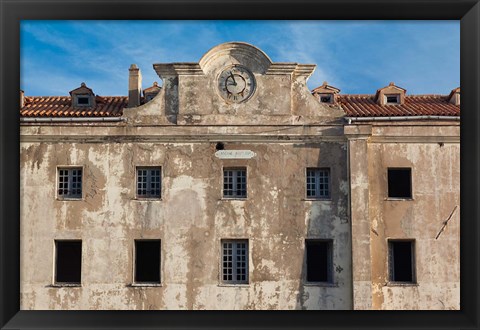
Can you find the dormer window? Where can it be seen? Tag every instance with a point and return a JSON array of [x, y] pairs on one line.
[[392, 99], [149, 97], [390, 95], [82, 96], [326, 98], [150, 92], [454, 96], [326, 93], [83, 100]]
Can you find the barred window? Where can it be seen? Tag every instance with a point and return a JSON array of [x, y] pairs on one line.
[[318, 182], [70, 182], [235, 183], [149, 182], [235, 261]]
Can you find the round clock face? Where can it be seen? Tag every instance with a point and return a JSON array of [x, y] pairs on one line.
[[236, 84]]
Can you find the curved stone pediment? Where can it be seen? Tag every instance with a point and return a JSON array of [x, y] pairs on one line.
[[235, 53]]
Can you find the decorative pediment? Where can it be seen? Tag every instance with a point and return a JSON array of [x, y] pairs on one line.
[[237, 83], [235, 53]]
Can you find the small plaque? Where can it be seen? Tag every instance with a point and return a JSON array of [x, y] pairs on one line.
[[235, 154]]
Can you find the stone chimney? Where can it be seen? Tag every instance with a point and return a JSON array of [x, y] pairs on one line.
[[134, 86], [22, 99]]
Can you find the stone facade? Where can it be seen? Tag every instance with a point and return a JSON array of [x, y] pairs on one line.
[[286, 131]]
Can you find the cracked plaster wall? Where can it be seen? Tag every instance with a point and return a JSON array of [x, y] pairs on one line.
[[433, 154], [190, 220]]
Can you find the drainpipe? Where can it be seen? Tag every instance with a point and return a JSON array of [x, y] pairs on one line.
[[71, 119], [400, 118]]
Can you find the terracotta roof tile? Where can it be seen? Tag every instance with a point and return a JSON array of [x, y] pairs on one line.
[[415, 105], [353, 105], [61, 106]]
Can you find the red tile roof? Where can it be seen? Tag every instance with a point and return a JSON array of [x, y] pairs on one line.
[[61, 106], [415, 105], [353, 105]]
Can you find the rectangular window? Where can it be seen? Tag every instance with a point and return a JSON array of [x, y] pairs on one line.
[[400, 182], [401, 261], [147, 261], [70, 182], [235, 261], [68, 261], [149, 182], [319, 260], [326, 98], [83, 100], [235, 183], [318, 183], [392, 99]]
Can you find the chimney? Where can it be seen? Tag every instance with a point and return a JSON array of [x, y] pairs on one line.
[[22, 99], [134, 86]]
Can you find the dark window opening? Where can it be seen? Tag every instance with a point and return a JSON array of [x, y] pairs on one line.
[[147, 261], [392, 99], [149, 97], [319, 261], [401, 262], [220, 146], [326, 99], [83, 100], [68, 261], [400, 182]]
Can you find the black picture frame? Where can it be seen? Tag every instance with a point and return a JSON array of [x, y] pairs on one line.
[[12, 12]]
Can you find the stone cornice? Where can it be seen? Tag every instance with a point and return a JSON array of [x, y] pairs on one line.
[[281, 68], [177, 69], [181, 138], [291, 68], [414, 139]]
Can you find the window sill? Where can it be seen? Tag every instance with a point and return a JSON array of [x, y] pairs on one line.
[[233, 285], [399, 199], [65, 285], [233, 199], [317, 199], [68, 199], [321, 284], [401, 284], [145, 285], [146, 199]]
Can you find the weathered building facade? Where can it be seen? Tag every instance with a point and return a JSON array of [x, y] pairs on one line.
[[232, 186]]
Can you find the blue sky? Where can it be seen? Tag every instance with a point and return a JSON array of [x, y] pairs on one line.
[[356, 56]]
